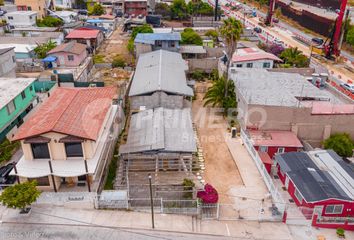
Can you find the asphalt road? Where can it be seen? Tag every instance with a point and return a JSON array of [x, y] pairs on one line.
[[63, 232], [294, 30]]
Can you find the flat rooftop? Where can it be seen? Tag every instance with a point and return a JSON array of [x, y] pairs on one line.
[[262, 87], [11, 87], [275, 138]]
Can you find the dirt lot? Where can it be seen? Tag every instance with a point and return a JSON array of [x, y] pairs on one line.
[[220, 168], [115, 45]]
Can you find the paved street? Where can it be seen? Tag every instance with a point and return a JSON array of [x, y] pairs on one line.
[[57, 232]]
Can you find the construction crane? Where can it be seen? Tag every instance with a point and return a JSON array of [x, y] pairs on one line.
[[269, 18], [331, 46]]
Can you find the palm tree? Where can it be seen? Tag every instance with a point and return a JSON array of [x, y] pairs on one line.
[[294, 57], [231, 31], [216, 96]]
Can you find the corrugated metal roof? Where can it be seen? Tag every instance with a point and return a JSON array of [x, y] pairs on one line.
[[160, 71], [150, 38], [160, 130], [312, 181]]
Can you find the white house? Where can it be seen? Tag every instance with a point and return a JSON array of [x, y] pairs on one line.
[[21, 19], [252, 57], [7, 62], [64, 3]]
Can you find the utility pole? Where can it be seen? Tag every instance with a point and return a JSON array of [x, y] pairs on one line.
[[216, 10], [151, 203]]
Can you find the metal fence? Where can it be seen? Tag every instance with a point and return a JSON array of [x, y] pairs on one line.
[[276, 196]]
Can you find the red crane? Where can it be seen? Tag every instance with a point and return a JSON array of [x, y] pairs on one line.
[[332, 47], [269, 18]]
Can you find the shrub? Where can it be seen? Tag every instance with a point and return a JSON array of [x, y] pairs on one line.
[[49, 21], [98, 58], [188, 186], [197, 75], [341, 143], [118, 61], [340, 232]]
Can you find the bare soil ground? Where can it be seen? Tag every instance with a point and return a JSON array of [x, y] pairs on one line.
[[115, 45], [220, 168]]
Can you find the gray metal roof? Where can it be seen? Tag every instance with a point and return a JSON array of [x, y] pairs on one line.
[[160, 130], [192, 49], [262, 87], [313, 182], [150, 38], [160, 71]]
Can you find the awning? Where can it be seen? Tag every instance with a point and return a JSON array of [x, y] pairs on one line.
[[70, 139], [38, 139], [49, 59]]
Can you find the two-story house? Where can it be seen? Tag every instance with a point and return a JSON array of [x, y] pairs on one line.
[[66, 143], [136, 7], [251, 57], [147, 42], [38, 6], [7, 62], [17, 98]]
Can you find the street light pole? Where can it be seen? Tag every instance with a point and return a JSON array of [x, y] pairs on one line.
[[151, 203]]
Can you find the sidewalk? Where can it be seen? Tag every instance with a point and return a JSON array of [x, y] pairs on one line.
[[139, 220]]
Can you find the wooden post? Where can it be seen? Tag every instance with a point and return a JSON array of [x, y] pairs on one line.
[[87, 177], [17, 177], [51, 174]]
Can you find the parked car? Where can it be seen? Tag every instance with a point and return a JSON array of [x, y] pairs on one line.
[[278, 42], [140, 16], [348, 86], [119, 14], [82, 12], [2, 13], [257, 29], [275, 20], [317, 41], [5, 177]]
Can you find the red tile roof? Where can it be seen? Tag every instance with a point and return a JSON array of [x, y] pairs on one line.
[[252, 54], [76, 112], [275, 139], [70, 47], [82, 34]]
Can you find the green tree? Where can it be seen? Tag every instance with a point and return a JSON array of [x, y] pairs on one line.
[[231, 31], [42, 49], [146, 28], [179, 9], [162, 9], [294, 57], [97, 10], [198, 7], [341, 143], [350, 36], [20, 195], [118, 61], [189, 36], [213, 34], [1, 2], [49, 21], [216, 96]]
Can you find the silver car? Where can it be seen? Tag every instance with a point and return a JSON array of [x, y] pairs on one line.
[[348, 86]]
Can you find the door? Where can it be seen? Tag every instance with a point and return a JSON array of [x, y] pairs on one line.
[[286, 182]]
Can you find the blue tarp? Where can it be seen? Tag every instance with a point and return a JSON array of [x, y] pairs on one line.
[[49, 59], [94, 20]]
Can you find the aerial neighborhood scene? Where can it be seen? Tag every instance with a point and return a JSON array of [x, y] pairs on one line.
[[177, 119]]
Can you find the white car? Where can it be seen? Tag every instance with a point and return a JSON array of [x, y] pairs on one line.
[[347, 86]]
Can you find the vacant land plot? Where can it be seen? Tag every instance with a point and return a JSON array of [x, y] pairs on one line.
[[220, 168]]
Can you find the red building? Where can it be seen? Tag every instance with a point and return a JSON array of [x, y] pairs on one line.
[[323, 183], [135, 7]]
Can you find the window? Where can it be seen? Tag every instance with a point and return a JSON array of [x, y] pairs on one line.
[[266, 65], [31, 88], [71, 57], [249, 65], [10, 18], [13, 59], [23, 94], [73, 149], [81, 178], [40, 150], [10, 107], [29, 8], [298, 195], [263, 148], [334, 209], [281, 150], [159, 43], [172, 44], [30, 17], [41, 181], [239, 65]]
